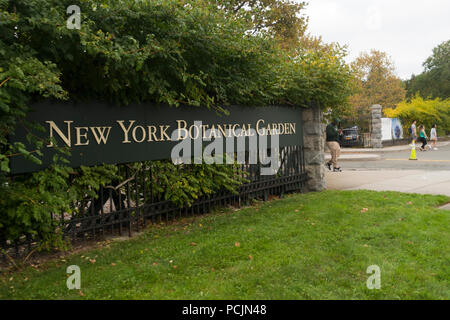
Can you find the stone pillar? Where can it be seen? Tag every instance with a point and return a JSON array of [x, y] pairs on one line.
[[314, 141], [376, 126]]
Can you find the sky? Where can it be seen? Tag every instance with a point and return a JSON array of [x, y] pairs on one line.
[[407, 30]]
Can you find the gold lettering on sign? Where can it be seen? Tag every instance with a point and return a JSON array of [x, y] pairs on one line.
[[262, 132], [244, 131], [213, 132], [292, 127], [234, 130], [275, 128], [204, 129], [286, 128], [125, 130], [133, 133], [82, 135], [164, 136], [252, 133], [222, 130], [65, 138], [101, 137], [152, 133], [182, 129], [268, 130], [197, 132]]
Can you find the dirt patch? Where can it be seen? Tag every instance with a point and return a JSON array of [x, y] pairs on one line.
[[445, 207]]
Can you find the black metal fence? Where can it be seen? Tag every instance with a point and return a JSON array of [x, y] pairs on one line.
[[133, 203]]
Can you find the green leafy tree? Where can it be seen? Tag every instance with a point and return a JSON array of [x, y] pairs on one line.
[[435, 80], [376, 83], [281, 19]]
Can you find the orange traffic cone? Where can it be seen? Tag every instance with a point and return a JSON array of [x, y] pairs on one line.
[[413, 151]]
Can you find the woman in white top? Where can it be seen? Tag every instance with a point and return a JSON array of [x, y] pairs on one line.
[[433, 136]]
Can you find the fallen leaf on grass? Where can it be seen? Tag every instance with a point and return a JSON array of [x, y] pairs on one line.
[[237, 244], [250, 257], [113, 264], [81, 293], [155, 263], [92, 260], [364, 210], [193, 244]]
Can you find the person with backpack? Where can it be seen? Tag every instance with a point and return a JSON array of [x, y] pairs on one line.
[[332, 134]]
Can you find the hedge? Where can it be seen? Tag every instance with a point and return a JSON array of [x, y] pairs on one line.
[[161, 51]]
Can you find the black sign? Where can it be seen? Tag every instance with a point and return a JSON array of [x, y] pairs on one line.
[[97, 133]]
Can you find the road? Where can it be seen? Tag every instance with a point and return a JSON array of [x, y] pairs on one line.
[[430, 174], [427, 160]]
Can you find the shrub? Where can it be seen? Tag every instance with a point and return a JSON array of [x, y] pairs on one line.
[[426, 112]]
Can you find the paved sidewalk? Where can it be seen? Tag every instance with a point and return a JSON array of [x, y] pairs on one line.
[[411, 181], [355, 157]]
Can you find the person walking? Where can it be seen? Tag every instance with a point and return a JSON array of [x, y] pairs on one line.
[[433, 137], [413, 131], [332, 134], [422, 137]]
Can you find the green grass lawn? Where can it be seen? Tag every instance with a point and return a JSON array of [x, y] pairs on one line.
[[305, 246]]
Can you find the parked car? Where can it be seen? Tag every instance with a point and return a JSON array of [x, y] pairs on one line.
[[350, 137]]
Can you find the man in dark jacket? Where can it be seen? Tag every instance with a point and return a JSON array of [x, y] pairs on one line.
[[333, 144]]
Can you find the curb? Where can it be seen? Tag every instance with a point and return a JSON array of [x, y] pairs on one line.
[[356, 157]]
